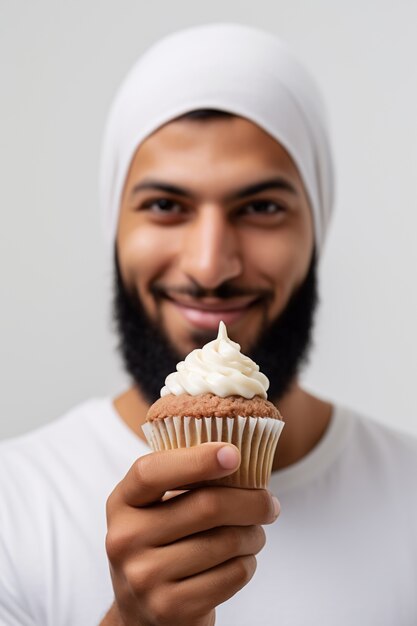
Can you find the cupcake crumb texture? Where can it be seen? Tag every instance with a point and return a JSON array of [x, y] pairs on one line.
[[210, 405]]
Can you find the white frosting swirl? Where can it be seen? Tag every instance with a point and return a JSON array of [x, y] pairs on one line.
[[219, 368]]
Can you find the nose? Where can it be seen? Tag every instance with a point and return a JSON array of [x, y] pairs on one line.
[[210, 251]]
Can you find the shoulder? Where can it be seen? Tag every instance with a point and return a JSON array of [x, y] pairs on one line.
[[36, 462], [379, 436], [381, 450], [69, 429], [87, 447], [54, 482]]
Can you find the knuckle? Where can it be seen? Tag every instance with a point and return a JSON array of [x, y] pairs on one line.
[[141, 575], [123, 536], [142, 472], [115, 543], [265, 505], [259, 537], [234, 539], [244, 567], [262, 537]]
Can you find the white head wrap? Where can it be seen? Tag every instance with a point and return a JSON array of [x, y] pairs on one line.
[[230, 67]]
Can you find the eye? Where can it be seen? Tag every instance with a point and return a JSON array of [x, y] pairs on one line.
[[163, 206], [262, 207]]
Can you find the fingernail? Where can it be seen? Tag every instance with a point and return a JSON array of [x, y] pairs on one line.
[[228, 457], [276, 505]]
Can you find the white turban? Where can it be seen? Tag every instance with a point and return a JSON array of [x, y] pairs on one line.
[[231, 67]]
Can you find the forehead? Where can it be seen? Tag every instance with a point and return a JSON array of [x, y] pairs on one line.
[[213, 151]]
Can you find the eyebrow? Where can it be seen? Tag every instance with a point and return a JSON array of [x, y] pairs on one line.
[[250, 190]]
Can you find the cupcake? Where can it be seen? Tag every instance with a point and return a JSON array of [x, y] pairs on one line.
[[218, 394]]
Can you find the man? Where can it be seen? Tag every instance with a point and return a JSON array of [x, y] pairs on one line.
[[216, 189]]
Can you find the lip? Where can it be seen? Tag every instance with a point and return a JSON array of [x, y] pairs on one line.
[[208, 314]]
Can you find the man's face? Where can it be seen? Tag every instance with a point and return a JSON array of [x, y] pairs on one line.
[[214, 225]]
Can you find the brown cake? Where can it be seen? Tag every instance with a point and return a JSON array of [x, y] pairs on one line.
[[252, 424]]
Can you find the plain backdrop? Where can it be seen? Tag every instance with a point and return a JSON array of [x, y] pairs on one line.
[[60, 64]]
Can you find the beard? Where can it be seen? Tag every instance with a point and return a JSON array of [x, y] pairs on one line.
[[280, 351]]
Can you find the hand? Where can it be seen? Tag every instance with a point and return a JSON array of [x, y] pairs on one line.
[[172, 561]]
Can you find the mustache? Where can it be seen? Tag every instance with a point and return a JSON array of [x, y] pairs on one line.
[[224, 291]]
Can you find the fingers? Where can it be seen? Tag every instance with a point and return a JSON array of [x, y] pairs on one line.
[[198, 595], [154, 474], [205, 508], [175, 556], [133, 530], [209, 549], [217, 585]]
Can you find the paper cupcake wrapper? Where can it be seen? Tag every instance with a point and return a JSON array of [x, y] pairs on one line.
[[255, 437]]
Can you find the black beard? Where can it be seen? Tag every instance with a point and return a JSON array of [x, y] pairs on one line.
[[280, 352]]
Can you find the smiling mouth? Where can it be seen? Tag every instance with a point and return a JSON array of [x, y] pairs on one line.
[[208, 313]]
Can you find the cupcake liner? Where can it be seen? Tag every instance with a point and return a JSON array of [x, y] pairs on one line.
[[255, 437]]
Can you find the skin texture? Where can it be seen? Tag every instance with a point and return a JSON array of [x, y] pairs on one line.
[[174, 558], [209, 239], [173, 562]]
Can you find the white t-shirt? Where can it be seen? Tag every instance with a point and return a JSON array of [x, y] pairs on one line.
[[343, 551]]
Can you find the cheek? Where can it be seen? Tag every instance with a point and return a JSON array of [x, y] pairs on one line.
[[143, 254], [277, 256], [280, 260]]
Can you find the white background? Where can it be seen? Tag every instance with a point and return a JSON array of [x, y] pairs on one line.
[[60, 63]]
